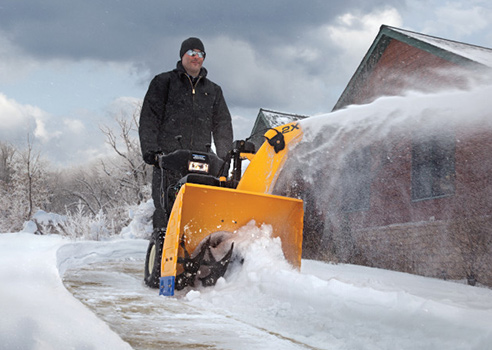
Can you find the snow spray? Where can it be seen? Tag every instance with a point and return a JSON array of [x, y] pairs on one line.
[[357, 169]]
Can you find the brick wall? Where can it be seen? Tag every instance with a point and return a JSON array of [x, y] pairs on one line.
[[442, 249]]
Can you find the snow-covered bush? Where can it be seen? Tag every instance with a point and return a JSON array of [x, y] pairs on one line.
[[140, 225], [80, 224], [45, 223]]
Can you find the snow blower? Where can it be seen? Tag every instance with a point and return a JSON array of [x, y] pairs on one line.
[[209, 208]]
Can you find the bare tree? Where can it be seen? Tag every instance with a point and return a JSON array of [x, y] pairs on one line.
[[90, 187], [25, 186], [31, 161], [473, 241], [33, 174], [112, 184], [7, 153], [132, 172]]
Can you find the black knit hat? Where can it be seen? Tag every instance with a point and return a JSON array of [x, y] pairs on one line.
[[191, 44]]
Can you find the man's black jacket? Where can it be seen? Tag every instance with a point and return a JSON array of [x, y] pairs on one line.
[[174, 105]]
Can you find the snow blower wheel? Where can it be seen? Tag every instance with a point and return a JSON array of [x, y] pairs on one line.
[[153, 259]]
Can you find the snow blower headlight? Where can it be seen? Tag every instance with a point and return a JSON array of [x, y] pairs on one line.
[[199, 167]]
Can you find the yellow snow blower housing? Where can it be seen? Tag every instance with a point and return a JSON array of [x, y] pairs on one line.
[[200, 210]]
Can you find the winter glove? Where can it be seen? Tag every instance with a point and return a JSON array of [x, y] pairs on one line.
[[150, 157]]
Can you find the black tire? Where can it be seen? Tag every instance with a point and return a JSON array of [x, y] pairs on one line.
[[153, 259]]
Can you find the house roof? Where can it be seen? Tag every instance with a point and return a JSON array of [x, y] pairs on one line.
[[458, 53], [274, 119], [267, 119], [454, 51]]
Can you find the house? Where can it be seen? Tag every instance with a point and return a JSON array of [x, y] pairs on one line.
[[419, 200]]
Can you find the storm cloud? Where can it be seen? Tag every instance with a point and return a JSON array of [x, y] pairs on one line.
[[69, 61]]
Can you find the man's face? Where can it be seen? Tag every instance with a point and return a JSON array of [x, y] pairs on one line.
[[192, 64]]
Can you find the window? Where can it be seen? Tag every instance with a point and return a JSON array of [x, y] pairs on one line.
[[433, 170], [356, 181]]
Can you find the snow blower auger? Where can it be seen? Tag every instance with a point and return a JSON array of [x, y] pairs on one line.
[[209, 208]]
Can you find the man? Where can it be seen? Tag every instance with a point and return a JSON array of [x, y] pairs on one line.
[[182, 102]]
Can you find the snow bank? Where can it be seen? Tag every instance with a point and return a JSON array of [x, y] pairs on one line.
[[37, 311]]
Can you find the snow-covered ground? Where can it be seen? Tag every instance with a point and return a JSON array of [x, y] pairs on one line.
[[263, 304]]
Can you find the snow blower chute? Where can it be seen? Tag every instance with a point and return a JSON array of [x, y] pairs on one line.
[[208, 210]]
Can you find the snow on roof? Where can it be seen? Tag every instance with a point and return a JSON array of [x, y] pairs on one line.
[[475, 53], [277, 118]]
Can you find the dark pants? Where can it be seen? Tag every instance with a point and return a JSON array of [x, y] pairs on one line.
[[161, 180]]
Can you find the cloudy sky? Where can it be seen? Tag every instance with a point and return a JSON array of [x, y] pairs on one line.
[[68, 67]]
